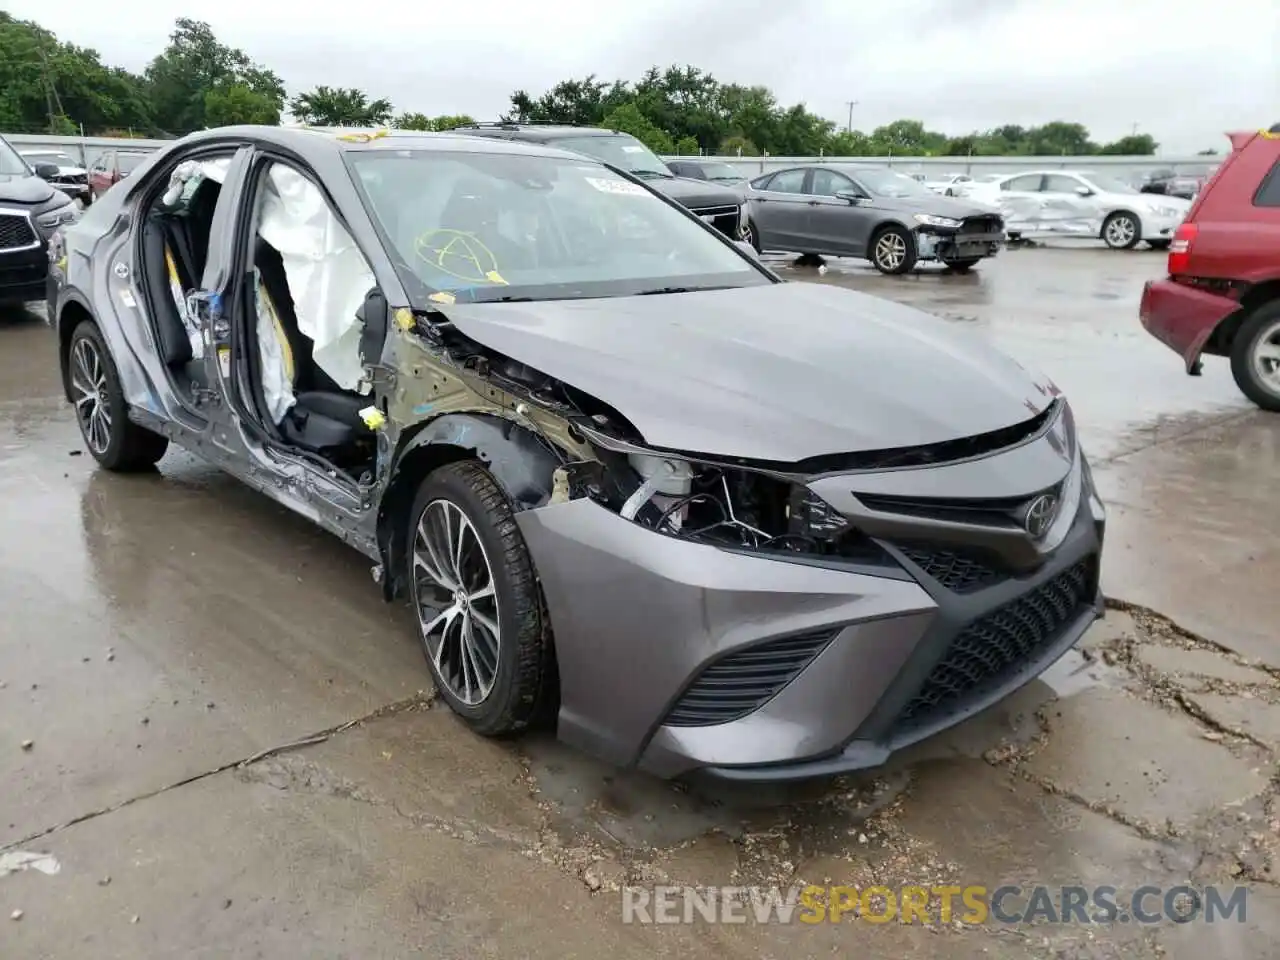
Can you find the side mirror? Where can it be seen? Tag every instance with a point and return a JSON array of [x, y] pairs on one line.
[[46, 171], [1084, 191], [850, 195], [746, 247]]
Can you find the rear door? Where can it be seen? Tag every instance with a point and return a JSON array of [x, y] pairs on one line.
[[836, 225], [780, 208], [1070, 206], [99, 179]]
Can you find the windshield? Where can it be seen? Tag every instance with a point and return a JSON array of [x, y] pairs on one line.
[[476, 227], [11, 165], [129, 161], [622, 150], [888, 183], [721, 171], [1105, 184]]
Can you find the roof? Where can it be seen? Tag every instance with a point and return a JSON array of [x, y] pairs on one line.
[[309, 140], [536, 131]]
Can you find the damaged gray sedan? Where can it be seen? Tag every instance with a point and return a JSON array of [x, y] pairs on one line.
[[631, 483]]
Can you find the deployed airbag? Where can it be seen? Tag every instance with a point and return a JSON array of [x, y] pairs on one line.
[[328, 276]]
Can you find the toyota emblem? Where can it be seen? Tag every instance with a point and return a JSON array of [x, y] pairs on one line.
[[1040, 515]]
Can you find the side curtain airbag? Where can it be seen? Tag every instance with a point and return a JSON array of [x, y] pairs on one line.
[[327, 274]]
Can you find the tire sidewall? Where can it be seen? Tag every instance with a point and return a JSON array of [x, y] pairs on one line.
[[112, 456], [1137, 231], [1242, 349], [908, 261], [445, 484]]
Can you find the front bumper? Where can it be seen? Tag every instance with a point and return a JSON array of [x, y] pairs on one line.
[[1183, 317], [23, 273], [938, 243], [1158, 227], [660, 641]]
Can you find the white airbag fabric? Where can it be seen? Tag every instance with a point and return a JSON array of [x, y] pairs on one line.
[[277, 357], [327, 274]]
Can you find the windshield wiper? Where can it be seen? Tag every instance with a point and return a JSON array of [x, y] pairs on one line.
[[658, 290], [646, 174]]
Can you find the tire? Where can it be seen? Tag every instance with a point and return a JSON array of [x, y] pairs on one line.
[[905, 249], [116, 442], [494, 699], [753, 237], [1121, 230], [961, 266], [1260, 330], [1158, 244]]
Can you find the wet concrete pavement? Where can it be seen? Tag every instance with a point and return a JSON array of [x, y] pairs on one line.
[[235, 750]]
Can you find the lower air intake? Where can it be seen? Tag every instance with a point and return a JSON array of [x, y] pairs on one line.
[[742, 682], [989, 651]]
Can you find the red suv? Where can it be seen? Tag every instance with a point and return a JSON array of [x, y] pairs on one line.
[[1222, 295]]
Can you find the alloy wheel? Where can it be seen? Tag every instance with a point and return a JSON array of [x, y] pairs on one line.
[[457, 602], [1121, 231], [89, 384], [891, 251], [1266, 357]]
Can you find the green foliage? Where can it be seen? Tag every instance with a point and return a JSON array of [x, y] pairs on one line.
[[232, 103], [420, 121], [339, 107], [628, 119], [179, 80], [687, 146], [196, 82]]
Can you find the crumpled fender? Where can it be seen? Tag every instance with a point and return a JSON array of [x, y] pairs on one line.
[[520, 460]]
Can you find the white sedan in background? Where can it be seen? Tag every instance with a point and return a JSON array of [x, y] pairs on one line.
[[1081, 204], [950, 184]]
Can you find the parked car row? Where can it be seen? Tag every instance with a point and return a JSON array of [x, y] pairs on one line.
[[631, 484]]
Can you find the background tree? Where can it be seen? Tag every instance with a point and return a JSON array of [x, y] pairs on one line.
[[420, 121], [232, 103], [628, 119], [339, 107], [193, 64], [687, 146]]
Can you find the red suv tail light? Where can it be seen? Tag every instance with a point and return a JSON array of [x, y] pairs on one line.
[[1180, 249]]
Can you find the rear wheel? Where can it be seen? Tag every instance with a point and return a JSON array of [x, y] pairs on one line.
[[1255, 357], [893, 250], [479, 609], [113, 439], [1121, 231]]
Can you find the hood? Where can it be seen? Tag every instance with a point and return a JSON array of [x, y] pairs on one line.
[[696, 194], [781, 372], [939, 206], [25, 189]]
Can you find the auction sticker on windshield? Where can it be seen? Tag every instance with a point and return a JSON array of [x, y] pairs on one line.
[[615, 186]]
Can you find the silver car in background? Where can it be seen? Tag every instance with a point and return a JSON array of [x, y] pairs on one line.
[[1082, 204], [873, 213]]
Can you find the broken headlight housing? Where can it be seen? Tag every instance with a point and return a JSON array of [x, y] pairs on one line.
[[720, 505]]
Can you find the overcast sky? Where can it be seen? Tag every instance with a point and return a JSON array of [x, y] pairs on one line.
[[1182, 70]]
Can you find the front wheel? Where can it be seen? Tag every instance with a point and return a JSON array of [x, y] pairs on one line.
[[1120, 231], [113, 439], [893, 250], [1255, 357], [479, 609], [751, 235]]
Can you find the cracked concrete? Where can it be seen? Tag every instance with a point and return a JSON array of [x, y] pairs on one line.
[[233, 739]]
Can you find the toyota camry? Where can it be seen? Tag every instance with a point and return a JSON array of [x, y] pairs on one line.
[[631, 483]]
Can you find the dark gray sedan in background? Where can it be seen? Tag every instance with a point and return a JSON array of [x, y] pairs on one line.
[[869, 212]]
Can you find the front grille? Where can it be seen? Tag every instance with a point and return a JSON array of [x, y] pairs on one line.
[[981, 225], [724, 219], [1007, 513], [736, 685], [720, 211], [957, 571], [15, 231], [989, 651], [73, 179]]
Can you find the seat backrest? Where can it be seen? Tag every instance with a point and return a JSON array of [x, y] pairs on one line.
[[166, 287]]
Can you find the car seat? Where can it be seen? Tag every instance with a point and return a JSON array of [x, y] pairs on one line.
[[324, 418]]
